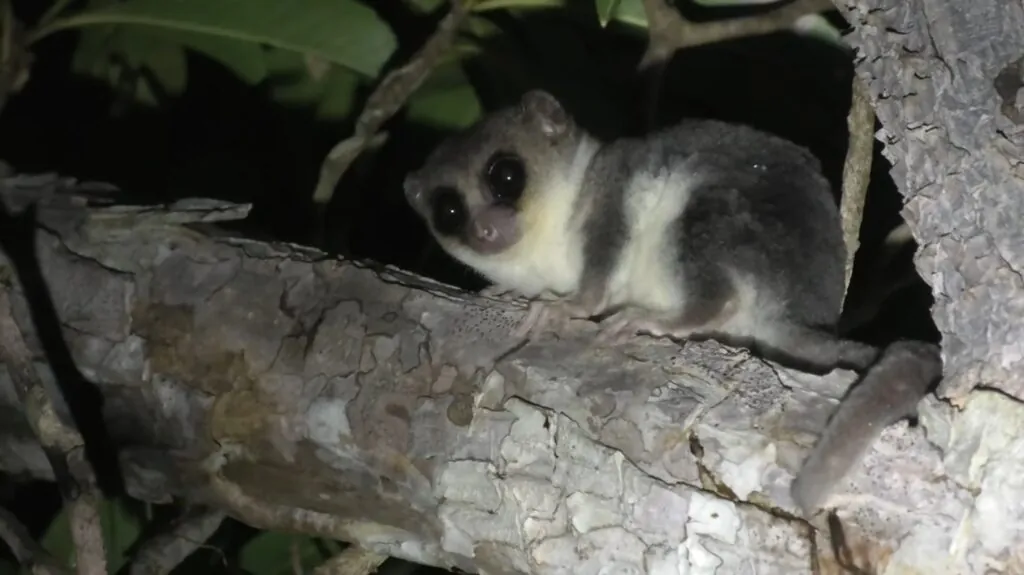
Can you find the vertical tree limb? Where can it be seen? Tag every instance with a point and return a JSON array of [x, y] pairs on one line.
[[856, 170]]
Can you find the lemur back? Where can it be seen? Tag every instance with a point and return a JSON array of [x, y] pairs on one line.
[[736, 208]]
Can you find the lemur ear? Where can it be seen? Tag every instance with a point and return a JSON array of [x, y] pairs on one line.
[[547, 111]]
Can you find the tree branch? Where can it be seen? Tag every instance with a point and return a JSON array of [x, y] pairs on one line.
[[387, 98], [62, 443], [669, 31], [365, 404]]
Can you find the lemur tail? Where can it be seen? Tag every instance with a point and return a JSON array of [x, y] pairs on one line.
[[889, 391]]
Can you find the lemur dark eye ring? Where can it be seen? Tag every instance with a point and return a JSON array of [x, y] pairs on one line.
[[447, 211], [506, 176]]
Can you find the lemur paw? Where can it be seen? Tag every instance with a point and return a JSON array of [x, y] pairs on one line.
[[622, 326], [618, 328], [547, 315]]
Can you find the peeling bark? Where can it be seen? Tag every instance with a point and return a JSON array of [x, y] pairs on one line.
[[363, 403]]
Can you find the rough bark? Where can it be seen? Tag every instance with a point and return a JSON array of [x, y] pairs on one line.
[[359, 402], [945, 79]]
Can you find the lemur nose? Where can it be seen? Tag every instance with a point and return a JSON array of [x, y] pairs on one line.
[[485, 231]]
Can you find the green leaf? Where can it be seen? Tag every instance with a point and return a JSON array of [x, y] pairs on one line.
[[630, 12], [293, 82], [162, 52], [424, 6], [290, 79], [157, 53], [485, 5], [143, 93], [117, 55], [338, 97], [817, 26], [95, 45], [736, 2], [342, 31], [605, 10], [480, 27], [244, 59], [446, 100], [270, 553], [120, 529]]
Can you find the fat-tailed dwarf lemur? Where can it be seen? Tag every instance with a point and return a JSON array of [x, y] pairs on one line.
[[701, 230]]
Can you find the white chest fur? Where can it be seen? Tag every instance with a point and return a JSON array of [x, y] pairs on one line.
[[647, 272], [549, 257]]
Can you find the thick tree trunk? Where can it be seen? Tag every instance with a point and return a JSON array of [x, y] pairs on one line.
[[946, 80], [365, 404]]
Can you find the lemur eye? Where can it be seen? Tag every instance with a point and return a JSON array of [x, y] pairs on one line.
[[506, 176], [448, 212]]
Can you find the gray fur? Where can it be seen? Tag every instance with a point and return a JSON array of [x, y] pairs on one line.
[[703, 229]]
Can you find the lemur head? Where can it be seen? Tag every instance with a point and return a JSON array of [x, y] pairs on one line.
[[475, 187]]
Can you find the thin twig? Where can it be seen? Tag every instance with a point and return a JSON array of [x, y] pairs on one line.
[[262, 515], [669, 30], [389, 97], [15, 59], [58, 440], [55, 10], [856, 170]]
